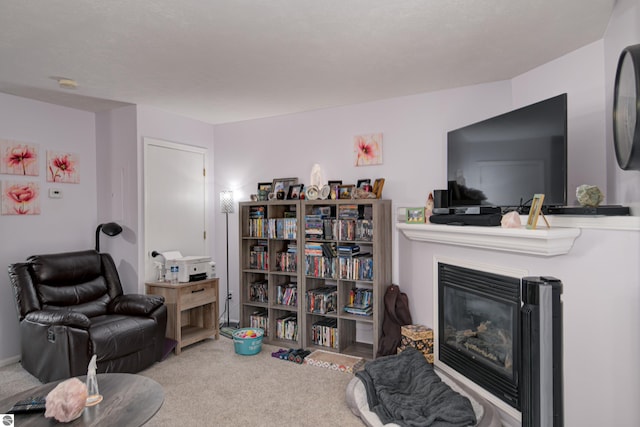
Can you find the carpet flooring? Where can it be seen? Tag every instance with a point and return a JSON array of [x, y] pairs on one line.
[[209, 385]]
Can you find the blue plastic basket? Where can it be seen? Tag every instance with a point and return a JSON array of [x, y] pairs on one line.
[[248, 346]]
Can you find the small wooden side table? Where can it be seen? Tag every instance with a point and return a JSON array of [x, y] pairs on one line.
[[192, 310]]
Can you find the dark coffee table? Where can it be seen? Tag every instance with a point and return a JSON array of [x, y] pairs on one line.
[[129, 400]]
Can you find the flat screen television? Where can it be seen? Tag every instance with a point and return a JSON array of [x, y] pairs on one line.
[[503, 161]]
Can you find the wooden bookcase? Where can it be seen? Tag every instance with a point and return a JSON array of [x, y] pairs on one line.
[[268, 232], [261, 271], [369, 227]]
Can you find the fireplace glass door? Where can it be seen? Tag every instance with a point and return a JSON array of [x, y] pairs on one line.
[[479, 328]]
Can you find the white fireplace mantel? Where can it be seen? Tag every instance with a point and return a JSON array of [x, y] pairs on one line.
[[543, 242], [557, 240]]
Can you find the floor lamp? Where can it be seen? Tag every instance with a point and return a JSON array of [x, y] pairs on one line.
[[226, 207]]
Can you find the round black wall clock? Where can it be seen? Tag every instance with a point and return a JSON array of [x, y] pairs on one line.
[[626, 109]]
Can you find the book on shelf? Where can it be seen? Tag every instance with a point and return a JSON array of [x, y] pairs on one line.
[[357, 267], [348, 212], [321, 211], [257, 223], [258, 256], [329, 228], [283, 228], [287, 327], [325, 249], [260, 319], [361, 310], [355, 229], [287, 294], [287, 262], [360, 297], [348, 250], [319, 266], [322, 300], [324, 332], [360, 302], [257, 211], [259, 291], [313, 227]]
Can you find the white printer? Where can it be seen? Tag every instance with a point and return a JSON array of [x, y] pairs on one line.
[[190, 268]]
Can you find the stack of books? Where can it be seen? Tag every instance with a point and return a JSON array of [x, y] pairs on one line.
[[348, 250], [313, 227], [360, 302], [348, 212]]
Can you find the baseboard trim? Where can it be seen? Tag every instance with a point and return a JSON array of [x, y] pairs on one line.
[[9, 361]]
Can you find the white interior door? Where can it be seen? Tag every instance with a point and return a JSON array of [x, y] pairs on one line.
[[175, 200]]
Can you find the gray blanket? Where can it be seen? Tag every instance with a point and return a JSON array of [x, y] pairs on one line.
[[405, 390]]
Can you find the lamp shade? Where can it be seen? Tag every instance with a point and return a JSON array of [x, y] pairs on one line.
[[226, 201], [110, 229]]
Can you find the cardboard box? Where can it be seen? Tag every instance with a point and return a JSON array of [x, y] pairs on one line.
[[419, 337]]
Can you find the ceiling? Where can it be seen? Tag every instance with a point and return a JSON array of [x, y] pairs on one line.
[[223, 61]]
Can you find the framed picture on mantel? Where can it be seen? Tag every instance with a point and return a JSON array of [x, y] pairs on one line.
[[535, 211]]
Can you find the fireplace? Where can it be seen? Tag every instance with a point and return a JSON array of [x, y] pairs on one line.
[[479, 328], [503, 332]]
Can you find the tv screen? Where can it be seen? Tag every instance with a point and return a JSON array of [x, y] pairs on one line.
[[503, 161]]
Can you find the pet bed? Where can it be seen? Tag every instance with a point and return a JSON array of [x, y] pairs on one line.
[[356, 396]]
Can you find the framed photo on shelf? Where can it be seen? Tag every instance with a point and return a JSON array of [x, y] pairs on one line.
[[535, 211], [377, 187], [295, 191], [280, 187], [415, 215], [345, 191], [265, 186], [362, 182]]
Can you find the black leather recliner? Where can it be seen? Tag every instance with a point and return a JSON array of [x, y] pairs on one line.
[[71, 306]]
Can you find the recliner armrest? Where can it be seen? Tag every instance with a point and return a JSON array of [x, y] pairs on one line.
[[59, 317], [135, 304]]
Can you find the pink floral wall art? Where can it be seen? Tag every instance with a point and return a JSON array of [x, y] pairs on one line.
[[18, 158], [20, 198], [367, 149], [62, 167]]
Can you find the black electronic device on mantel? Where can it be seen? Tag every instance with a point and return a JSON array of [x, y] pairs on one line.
[[504, 160]]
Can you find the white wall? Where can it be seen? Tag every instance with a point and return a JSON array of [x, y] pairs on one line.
[[586, 117], [414, 153], [158, 124], [623, 31], [121, 135], [66, 224], [117, 189]]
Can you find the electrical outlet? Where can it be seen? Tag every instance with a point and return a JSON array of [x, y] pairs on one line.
[[230, 296]]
